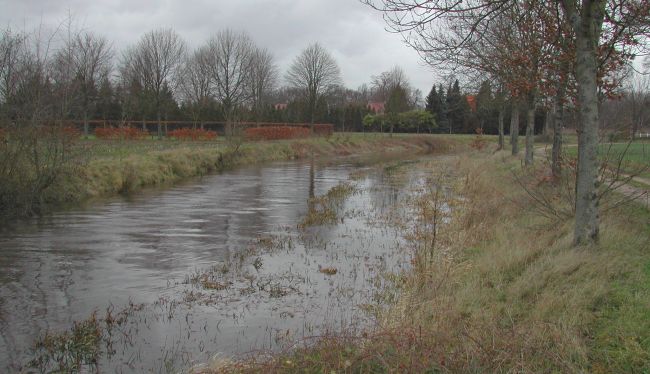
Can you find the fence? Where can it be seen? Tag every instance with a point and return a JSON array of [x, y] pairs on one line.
[[166, 126]]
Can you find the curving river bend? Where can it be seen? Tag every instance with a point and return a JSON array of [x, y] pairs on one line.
[[215, 265]]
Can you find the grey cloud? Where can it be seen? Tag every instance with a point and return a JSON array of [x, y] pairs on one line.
[[351, 31]]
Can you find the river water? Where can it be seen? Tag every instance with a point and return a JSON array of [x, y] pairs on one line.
[[214, 266]]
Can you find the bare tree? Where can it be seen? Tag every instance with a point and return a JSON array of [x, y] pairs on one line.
[[620, 24], [229, 60], [33, 101], [155, 62], [36, 154], [384, 83], [195, 83], [315, 73], [263, 78], [12, 51], [91, 60]]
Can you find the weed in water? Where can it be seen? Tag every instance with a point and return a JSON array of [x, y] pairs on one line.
[[327, 270]]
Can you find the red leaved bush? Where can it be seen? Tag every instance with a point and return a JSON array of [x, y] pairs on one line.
[[127, 133], [193, 134], [323, 129], [70, 132], [276, 132]]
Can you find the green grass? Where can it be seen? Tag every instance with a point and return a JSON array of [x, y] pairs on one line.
[[634, 157], [621, 329]]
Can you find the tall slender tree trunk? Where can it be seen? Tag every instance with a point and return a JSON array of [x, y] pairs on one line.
[[311, 177], [159, 124], [548, 122], [514, 129], [558, 125], [312, 112], [86, 126], [530, 133], [501, 140], [587, 28]]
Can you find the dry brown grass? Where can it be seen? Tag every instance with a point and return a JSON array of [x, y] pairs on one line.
[[506, 293]]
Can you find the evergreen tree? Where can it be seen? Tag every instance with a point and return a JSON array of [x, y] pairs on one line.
[[108, 107], [432, 104], [441, 115], [453, 101]]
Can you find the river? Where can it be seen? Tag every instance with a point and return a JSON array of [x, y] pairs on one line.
[[217, 265]]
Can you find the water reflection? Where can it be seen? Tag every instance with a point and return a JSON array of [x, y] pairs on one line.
[[59, 269]]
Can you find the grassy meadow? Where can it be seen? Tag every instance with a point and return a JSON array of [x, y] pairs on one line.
[[634, 157]]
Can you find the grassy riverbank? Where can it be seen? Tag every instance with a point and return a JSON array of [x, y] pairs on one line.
[[105, 168], [505, 292]]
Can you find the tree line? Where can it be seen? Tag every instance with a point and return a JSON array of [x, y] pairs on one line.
[[78, 75]]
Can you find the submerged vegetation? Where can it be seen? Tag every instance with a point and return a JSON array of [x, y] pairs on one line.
[[323, 210], [81, 346]]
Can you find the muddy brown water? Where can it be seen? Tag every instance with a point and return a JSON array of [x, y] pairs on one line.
[[238, 232]]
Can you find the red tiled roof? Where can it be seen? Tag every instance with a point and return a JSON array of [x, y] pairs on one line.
[[471, 101], [377, 107]]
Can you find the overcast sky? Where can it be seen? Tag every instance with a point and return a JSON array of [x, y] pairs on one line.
[[351, 31]]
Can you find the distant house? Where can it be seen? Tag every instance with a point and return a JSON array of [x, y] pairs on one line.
[[471, 101], [281, 106], [378, 107]]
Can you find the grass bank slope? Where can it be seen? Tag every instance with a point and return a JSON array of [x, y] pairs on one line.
[[506, 292], [124, 167]]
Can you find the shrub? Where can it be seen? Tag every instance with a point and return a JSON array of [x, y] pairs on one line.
[[126, 133], [323, 129], [276, 132], [193, 134], [70, 133], [35, 161]]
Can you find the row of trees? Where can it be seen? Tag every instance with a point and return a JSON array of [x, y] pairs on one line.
[[69, 74], [550, 53]]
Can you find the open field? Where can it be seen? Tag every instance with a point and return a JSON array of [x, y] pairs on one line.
[[506, 291], [633, 157]]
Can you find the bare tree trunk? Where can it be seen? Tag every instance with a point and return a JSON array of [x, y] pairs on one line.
[[86, 126], [548, 122], [514, 129], [159, 124], [501, 140], [530, 133], [558, 124], [587, 36]]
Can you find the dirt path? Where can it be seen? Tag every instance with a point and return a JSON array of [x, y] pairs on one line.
[[639, 194]]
